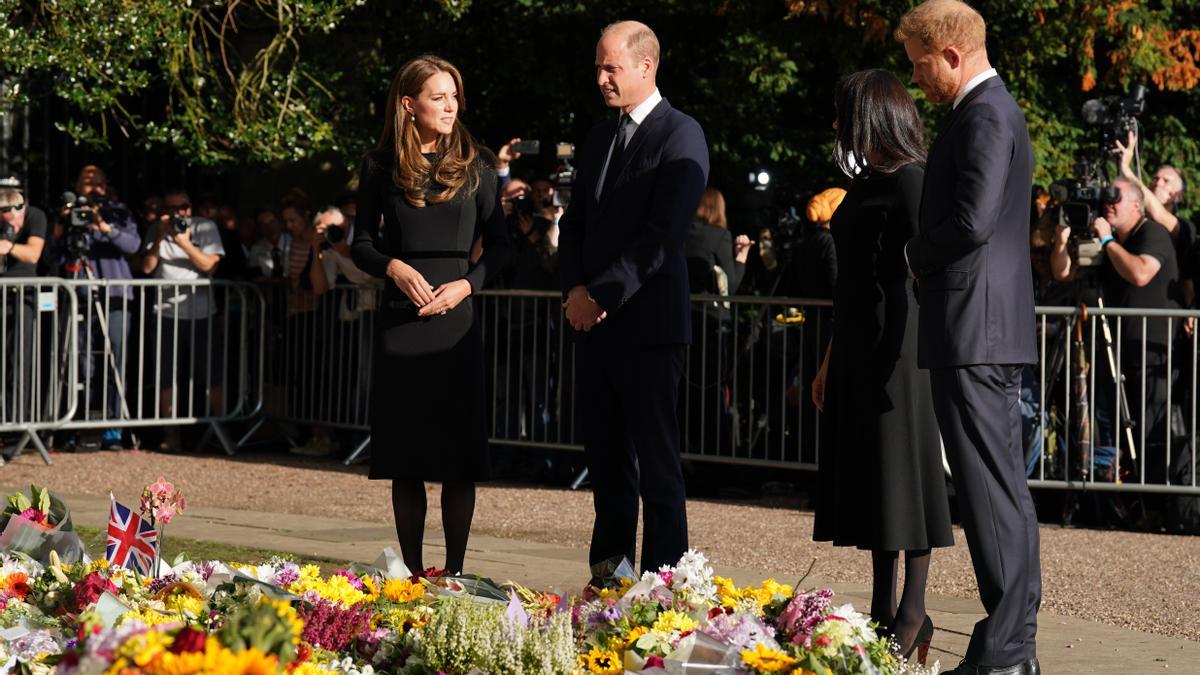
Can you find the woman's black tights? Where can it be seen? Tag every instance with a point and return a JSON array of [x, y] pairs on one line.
[[409, 507], [903, 621]]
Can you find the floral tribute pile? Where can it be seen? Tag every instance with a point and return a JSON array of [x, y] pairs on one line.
[[281, 617]]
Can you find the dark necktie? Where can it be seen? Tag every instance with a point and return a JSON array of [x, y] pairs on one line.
[[276, 262], [614, 162]]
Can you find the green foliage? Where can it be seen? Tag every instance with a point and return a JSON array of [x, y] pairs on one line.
[[242, 82]]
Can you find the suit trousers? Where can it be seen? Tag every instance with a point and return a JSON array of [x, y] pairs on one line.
[[979, 417], [629, 396]]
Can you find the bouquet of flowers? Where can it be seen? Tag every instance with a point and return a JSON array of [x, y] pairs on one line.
[[37, 523]]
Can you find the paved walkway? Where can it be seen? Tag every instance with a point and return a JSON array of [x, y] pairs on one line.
[[1066, 644]]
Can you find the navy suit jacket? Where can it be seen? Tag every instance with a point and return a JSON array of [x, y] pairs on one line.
[[971, 256], [628, 247]]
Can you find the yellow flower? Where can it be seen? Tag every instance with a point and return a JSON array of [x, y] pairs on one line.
[[147, 616], [370, 589], [215, 659], [775, 588], [403, 590], [186, 605], [336, 589], [143, 648], [763, 659], [633, 635], [308, 668], [601, 662], [671, 620]]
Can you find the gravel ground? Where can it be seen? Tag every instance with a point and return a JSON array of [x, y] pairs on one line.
[[1146, 582]]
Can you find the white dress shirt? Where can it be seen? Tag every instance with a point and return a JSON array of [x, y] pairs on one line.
[[637, 116], [975, 82]]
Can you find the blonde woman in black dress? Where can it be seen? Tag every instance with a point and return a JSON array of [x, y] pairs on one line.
[[424, 197], [882, 485]]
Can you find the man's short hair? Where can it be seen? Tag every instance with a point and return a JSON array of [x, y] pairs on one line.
[[640, 40], [1132, 190], [175, 192], [939, 24]]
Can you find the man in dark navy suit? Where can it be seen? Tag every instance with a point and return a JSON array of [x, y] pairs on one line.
[[624, 277], [971, 261]]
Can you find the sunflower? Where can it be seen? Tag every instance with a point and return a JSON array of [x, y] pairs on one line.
[[763, 659], [601, 662]]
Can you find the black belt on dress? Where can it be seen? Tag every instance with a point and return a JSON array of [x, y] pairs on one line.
[[417, 255]]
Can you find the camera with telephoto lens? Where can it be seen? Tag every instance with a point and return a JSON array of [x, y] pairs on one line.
[[334, 234], [1115, 116]]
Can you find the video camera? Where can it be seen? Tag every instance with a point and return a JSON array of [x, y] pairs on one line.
[[1115, 116], [79, 217], [1082, 199], [564, 174]]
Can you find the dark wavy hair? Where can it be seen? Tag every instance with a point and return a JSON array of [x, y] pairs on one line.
[[878, 126]]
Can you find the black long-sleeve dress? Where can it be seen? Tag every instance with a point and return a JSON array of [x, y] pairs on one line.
[[882, 485], [428, 412]]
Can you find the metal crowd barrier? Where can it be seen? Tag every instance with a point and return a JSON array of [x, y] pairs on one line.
[[1102, 410], [162, 353], [127, 354], [320, 365], [744, 396], [1113, 411], [36, 368]]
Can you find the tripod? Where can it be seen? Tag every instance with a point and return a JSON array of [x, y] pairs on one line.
[[81, 269]]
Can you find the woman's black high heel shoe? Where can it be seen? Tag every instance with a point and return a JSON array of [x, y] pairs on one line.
[[921, 642]]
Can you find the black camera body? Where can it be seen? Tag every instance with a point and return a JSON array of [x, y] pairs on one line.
[[7, 233], [1115, 116], [79, 217], [334, 234], [564, 174], [180, 224]]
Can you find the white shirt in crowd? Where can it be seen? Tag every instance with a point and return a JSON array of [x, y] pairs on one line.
[[175, 265], [260, 255]]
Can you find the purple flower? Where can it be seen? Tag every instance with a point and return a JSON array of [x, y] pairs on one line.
[[741, 630], [288, 574], [802, 614]]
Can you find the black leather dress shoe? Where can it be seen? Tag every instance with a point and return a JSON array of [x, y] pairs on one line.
[[968, 668], [1032, 667]]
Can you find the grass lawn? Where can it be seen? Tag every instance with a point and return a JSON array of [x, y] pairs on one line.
[[95, 540]]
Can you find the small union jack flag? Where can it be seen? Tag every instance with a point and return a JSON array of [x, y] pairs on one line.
[[131, 540]]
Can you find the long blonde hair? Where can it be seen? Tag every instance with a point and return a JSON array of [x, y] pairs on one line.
[[712, 208], [457, 162]]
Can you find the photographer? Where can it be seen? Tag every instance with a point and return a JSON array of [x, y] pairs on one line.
[[22, 237], [1162, 199], [94, 236], [533, 228], [1139, 270], [185, 249]]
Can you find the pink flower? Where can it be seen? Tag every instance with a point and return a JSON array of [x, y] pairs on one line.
[[36, 517], [655, 661], [666, 576], [161, 488]]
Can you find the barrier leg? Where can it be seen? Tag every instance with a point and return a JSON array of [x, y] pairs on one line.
[[26, 437], [358, 450], [579, 480]]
